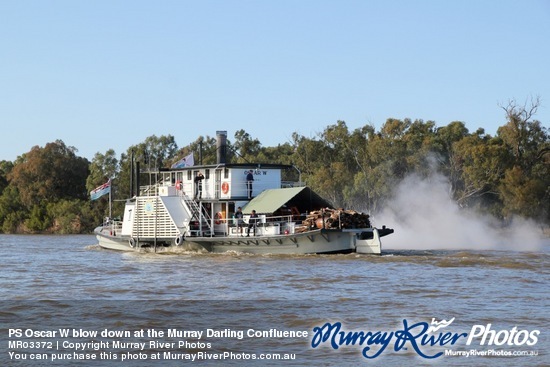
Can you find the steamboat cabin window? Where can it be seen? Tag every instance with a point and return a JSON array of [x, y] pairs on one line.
[[206, 174], [189, 175], [225, 173]]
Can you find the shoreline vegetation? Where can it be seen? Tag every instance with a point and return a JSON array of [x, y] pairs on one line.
[[47, 189]]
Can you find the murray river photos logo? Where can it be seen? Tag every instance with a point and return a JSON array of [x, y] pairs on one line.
[[428, 340]]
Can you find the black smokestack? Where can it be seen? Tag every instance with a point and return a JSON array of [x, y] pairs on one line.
[[138, 181], [132, 173], [221, 146]]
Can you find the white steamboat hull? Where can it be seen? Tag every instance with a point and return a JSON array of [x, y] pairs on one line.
[[312, 242]]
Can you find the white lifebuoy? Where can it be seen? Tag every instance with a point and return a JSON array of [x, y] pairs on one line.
[[132, 242], [179, 240]]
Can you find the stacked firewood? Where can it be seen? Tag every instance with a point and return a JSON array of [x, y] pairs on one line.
[[336, 218]]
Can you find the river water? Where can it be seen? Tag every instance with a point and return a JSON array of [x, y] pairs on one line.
[[48, 283]]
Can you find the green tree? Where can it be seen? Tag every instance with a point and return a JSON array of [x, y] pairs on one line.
[[309, 155], [358, 193], [12, 211], [483, 161], [5, 169], [313, 159], [526, 182], [419, 142], [389, 156], [102, 168], [449, 162], [39, 220], [156, 152], [70, 216], [526, 139], [524, 195], [49, 174], [152, 154], [247, 148], [203, 148]]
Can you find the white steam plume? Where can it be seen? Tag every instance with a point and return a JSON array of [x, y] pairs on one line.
[[424, 217]]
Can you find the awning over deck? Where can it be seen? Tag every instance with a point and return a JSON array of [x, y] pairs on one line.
[[302, 198]]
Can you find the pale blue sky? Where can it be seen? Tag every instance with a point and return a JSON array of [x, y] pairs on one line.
[[107, 74]]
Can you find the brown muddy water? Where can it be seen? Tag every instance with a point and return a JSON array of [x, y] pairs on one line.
[[237, 309]]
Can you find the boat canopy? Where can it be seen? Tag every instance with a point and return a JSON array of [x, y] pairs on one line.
[[272, 200]]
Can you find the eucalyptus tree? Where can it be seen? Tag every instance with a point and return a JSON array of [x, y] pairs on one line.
[[203, 149], [104, 167], [5, 169], [419, 142], [483, 161], [12, 211], [525, 137], [449, 162], [322, 172], [43, 177], [151, 154], [155, 152], [525, 186], [246, 148], [335, 176], [50, 173], [358, 193]]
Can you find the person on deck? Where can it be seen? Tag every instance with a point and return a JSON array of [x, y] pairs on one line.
[[239, 219], [252, 221], [198, 185], [249, 180]]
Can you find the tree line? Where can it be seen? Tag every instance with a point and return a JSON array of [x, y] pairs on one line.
[[46, 190]]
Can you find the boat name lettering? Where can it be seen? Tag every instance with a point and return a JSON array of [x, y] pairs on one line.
[[256, 172]]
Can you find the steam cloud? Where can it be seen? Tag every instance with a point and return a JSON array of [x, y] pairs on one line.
[[424, 217]]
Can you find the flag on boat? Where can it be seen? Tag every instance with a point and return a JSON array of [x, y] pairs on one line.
[[186, 161], [101, 190]]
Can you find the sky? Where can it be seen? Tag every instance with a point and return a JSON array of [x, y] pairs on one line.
[[107, 74]]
